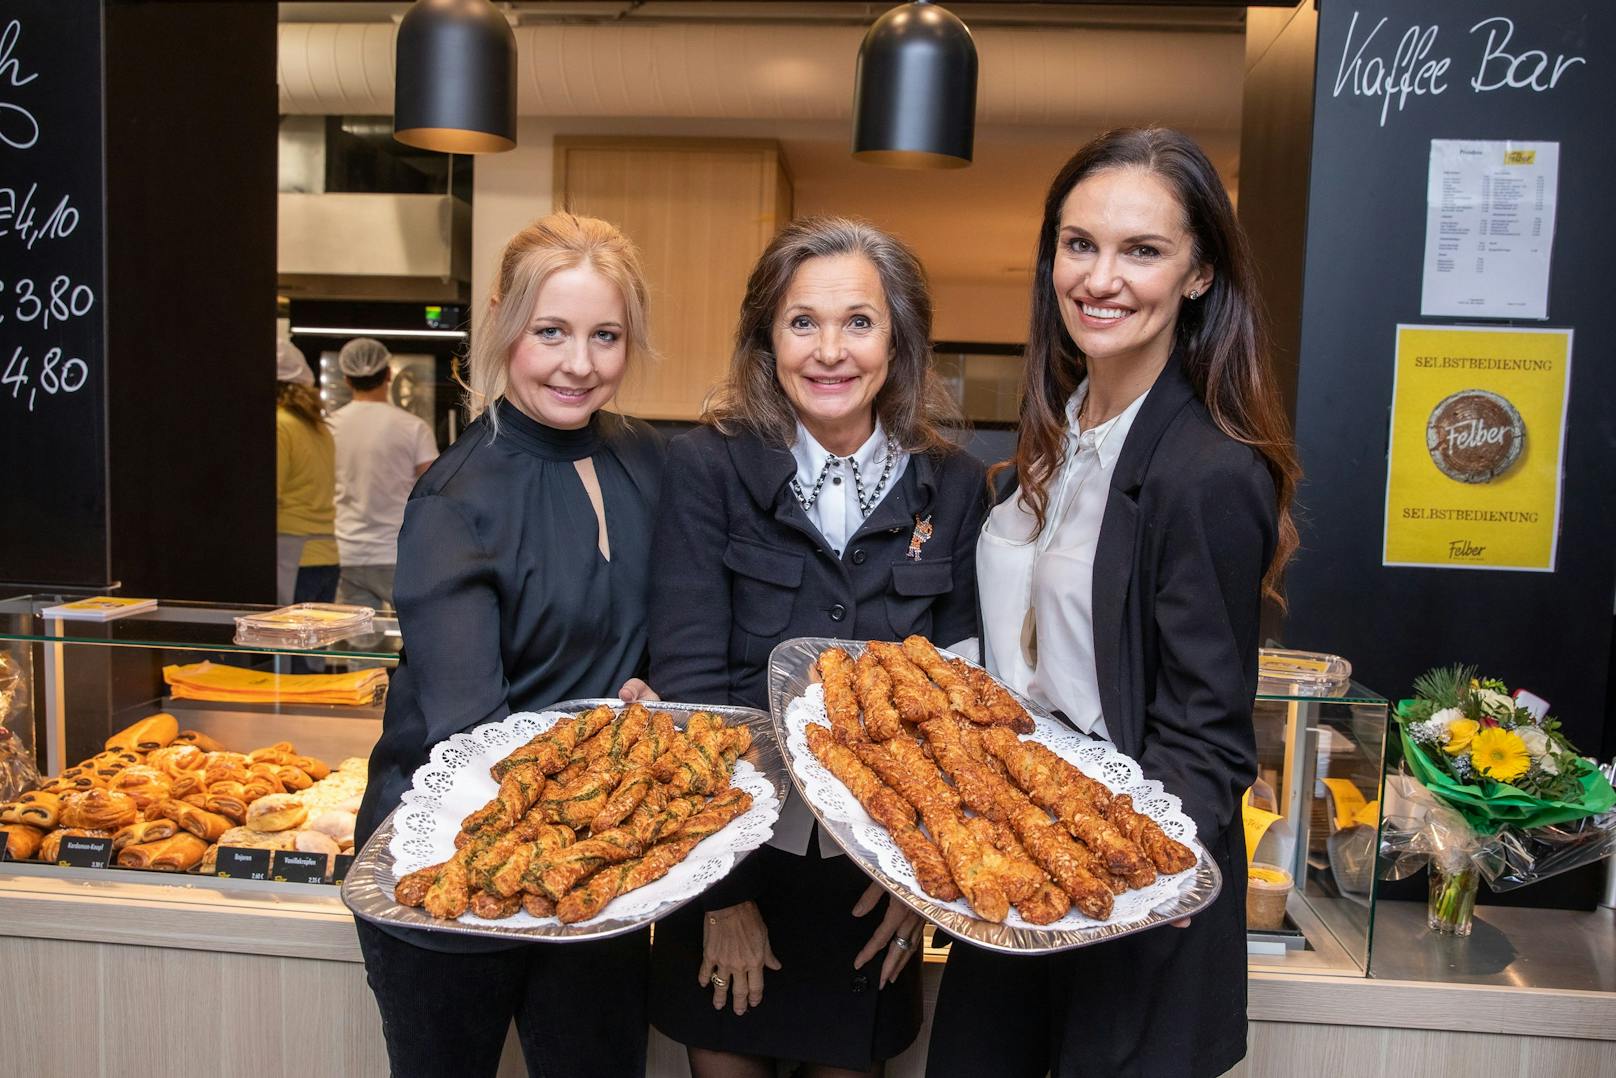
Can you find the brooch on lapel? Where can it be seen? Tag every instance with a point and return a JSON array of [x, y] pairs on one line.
[[918, 537]]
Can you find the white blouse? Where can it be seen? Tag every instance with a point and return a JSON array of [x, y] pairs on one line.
[[1052, 579]]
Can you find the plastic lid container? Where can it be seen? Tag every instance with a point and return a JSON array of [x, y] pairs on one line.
[[1267, 888], [1302, 673], [304, 625]]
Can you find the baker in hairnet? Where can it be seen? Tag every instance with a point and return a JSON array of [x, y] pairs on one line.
[[381, 451]]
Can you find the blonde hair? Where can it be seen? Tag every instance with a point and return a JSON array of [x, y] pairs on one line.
[[559, 241]]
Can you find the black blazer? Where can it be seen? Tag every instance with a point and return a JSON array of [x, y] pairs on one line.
[[1189, 529], [736, 566]]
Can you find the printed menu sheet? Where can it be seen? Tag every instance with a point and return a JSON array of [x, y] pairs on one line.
[[1489, 228], [1477, 444]]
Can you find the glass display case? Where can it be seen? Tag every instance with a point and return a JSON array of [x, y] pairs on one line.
[[1312, 821], [261, 720]]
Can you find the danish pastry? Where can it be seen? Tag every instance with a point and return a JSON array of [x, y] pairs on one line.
[[152, 732], [199, 739], [176, 854], [177, 760], [39, 809], [277, 812], [22, 841], [144, 831], [199, 821], [99, 809]]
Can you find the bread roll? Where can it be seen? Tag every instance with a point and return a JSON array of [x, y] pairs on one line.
[[177, 760], [315, 842], [199, 821], [339, 825], [144, 831], [152, 732], [316, 769], [22, 841], [82, 777], [40, 809], [200, 740], [277, 812], [99, 810], [177, 854]]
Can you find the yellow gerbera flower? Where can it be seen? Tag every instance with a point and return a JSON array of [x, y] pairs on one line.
[[1460, 734], [1500, 754]]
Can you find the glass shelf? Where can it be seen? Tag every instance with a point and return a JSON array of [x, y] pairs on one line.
[[183, 626]]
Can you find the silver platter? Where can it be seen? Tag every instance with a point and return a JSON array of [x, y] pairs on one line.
[[368, 889], [790, 666]]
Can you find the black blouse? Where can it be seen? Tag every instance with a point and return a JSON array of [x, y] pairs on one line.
[[504, 600]]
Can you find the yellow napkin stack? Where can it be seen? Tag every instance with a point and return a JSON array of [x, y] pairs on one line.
[[212, 681]]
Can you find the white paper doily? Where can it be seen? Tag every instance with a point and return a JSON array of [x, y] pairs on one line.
[[1096, 759], [455, 783]]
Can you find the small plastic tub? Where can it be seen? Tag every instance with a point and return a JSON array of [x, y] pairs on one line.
[[1267, 888]]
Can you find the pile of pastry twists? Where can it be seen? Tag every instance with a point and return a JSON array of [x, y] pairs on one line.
[[929, 746], [598, 805]]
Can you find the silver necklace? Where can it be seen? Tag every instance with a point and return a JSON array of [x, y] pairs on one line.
[[866, 502]]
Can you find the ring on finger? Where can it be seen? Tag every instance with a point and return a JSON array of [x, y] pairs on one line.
[[901, 943], [722, 982]]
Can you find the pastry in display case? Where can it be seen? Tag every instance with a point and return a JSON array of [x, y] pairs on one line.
[[153, 742], [1312, 817]]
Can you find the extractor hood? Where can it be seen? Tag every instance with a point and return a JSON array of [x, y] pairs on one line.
[[374, 246]]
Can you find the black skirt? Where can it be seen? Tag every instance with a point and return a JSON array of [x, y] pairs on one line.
[[817, 1008]]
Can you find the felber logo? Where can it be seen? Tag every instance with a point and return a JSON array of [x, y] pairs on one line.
[[1474, 435]]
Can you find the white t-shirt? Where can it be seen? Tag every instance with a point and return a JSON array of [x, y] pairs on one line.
[[379, 447]]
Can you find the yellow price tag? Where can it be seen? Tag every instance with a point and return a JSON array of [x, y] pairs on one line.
[[1348, 800], [1257, 822]]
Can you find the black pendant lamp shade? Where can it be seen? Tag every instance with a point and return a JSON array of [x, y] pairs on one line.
[[914, 98], [454, 87]]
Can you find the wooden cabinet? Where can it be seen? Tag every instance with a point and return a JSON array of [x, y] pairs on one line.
[[701, 211]]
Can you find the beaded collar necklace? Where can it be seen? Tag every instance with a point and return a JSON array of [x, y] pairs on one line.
[[866, 502]]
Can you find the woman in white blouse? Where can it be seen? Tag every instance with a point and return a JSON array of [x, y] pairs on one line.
[[1122, 576]]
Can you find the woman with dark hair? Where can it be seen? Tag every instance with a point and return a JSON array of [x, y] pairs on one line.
[[1142, 523], [821, 498]]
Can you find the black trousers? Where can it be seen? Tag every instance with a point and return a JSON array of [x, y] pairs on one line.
[[579, 1007]]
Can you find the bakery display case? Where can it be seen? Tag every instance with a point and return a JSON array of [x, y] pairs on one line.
[[1312, 825], [157, 748]]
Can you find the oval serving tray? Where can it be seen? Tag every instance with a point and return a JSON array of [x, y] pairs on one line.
[[368, 888], [790, 674]]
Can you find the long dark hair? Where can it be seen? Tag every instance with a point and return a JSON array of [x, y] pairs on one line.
[[1219, 336], [914, 407]]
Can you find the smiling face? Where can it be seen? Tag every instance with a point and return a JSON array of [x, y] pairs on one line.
[[1124, 261], [571, 358], [833, 347]]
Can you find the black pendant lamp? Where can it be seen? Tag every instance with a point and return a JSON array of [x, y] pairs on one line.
[[454, 87], [914, 98]]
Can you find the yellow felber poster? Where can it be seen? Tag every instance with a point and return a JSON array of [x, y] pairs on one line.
[[1477, 439]]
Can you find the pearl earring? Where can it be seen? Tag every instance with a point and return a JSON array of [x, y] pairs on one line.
[[1194, 292]]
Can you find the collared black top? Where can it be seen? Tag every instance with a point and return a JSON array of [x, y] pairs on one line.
[[504, 600], [738, 567]]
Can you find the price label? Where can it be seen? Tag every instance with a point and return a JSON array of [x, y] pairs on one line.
[[339, 871], [295, 866], [76, 852], [240, 863]]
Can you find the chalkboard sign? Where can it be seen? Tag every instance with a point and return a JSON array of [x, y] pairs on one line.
[[85, 852], [295, 866], [52, 324], [235, 862]]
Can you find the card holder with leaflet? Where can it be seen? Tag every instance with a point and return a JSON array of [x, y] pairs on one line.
[[235, 862], [294, 866], [76, 852]]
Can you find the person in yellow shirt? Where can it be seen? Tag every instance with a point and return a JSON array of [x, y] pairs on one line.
[[305, 485]]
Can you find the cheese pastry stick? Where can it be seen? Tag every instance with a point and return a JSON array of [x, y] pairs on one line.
[[889, 810], [841, 701], [915, 697], [960, 695], [874, 688]]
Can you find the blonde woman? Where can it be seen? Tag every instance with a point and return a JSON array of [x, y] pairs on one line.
[[305, 483], [522, 572]]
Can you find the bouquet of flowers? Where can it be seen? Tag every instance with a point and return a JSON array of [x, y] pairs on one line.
[[1501, 792]]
